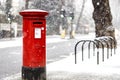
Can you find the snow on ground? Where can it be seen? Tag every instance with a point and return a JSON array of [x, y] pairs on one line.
[[108, 67], [14, 42], [55, 39]]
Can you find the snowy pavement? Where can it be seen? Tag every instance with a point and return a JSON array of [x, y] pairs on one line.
[[87, 70], [66, 69], [14, 42], [108, 67]]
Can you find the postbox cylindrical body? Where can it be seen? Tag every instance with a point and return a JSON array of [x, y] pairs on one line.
[[34, 44]]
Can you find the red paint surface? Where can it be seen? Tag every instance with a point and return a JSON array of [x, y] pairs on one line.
[[34, 49]]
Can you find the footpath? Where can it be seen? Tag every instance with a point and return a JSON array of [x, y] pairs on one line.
[[66, 69]]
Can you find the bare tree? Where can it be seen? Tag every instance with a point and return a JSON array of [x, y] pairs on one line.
[[81, 12], [70, 8], [9, 15], [27, 4], [103, 18]]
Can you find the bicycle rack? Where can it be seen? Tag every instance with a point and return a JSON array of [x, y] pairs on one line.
[[100, 42]]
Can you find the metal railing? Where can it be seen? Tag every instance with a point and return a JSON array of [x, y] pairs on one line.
[[98, 43]]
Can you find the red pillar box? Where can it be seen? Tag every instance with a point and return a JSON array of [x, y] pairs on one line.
[[34, 45]]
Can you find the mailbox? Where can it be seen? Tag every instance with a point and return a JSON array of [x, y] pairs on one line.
[[34, 44]]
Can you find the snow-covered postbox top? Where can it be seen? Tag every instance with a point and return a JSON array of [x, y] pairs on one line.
[[34, 37], [34, 13]]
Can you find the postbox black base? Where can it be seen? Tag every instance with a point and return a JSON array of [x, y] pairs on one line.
[[33, 73]]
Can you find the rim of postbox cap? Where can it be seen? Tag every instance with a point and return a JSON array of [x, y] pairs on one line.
[[33, 12]]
